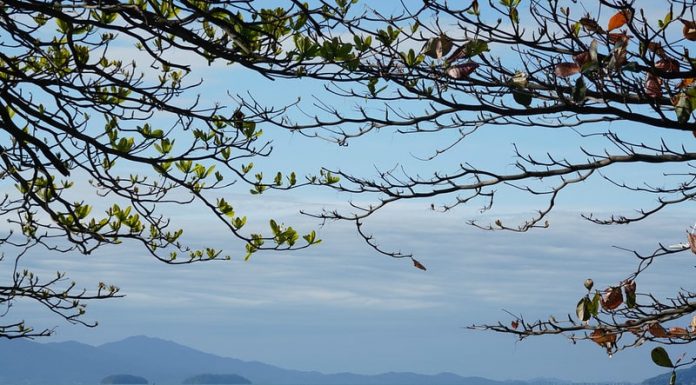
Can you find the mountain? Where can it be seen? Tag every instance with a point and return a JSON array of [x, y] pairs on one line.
[[216, 379], [684, 377], [71, 363], [123, 379]]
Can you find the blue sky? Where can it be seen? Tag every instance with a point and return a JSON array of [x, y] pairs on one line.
[[341, 307]]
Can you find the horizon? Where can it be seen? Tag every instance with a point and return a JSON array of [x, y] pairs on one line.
[[140, 338]]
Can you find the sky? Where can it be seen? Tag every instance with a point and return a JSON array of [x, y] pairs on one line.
[[339, 306]]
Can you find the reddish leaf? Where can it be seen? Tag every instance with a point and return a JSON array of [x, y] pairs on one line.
[[689, 30], [621, 38], [656, 48], [686, 82], [653, 86], [630, 287], [618, 20], [458, 53], [603, 338], [677, 332], [657, 331], [612, 298], [563, 70], [582, 58], [514, 324], [462, 70], [667, 65], [692, 238], [418, 265]]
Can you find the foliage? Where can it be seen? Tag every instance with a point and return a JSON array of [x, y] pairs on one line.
[[457, 68], [434, 67], [95, 145]]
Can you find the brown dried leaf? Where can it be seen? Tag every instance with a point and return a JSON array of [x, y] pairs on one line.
[[689, 29], [657, 331], [667, 65], [462, 70], [418, 265], [582, 58], [630, 287], [691, 236], [564, 70], [612, 298], [653, 86], [590, 25], [458, 53], [677, 332], [603, 338], [656, 48], [514, 324], [620, 38]]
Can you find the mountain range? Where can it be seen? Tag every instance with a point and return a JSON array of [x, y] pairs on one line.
[[24, 362]]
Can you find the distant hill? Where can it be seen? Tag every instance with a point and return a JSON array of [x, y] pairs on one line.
[[166, 362], [216, 379], [123, 379], [684, 377]]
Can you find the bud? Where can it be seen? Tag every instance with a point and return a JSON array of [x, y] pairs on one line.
[[589, 283]]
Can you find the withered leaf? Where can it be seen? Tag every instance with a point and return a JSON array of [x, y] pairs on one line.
[[653, 86], [603, 338], [689, 29], [611, 298], [656, 48], [667, 65], [684, 83], [564, 70], [677, 332], [657, 330], [619, 38], [461, 71], [618, 20], [692, 241], [418, 265], [590, 25]]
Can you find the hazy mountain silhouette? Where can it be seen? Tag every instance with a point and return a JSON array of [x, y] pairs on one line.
[[30, 363], [684, 377]]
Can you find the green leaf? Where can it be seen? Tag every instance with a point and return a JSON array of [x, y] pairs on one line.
[[274, 227], [594, 304], [63, 26], [579, 91], [582, 310], [522, 97], [475, 47], [660, 357]]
